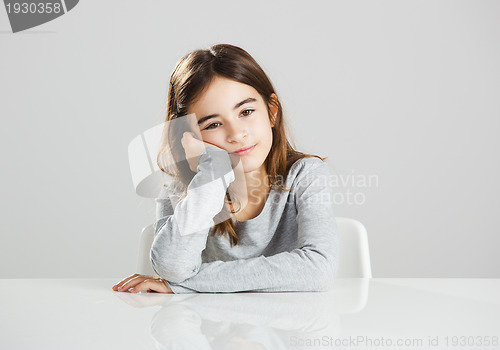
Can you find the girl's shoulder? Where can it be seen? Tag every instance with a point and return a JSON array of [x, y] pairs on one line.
[[308, 170], [307, 165]]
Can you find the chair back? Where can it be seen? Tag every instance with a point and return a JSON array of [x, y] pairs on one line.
[[354, 254], [354, 259], [145, 242]]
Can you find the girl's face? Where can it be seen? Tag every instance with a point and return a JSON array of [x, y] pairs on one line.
[[232, 116]]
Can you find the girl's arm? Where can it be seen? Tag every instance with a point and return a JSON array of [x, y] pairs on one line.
[[181, 237], [311, 266]]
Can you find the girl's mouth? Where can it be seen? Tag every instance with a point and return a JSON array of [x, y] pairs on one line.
[[245, 151]]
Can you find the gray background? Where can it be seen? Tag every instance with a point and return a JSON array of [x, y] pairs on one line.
[[406, 92]]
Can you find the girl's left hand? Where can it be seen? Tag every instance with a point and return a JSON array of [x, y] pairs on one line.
[[193, 148], [149, 283]]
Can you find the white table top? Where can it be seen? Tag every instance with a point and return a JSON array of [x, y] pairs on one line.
[[355, 314]]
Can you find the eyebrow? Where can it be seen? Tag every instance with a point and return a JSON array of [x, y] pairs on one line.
[[236, 106]]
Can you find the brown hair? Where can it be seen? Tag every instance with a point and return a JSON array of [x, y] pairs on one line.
[[192, 74]]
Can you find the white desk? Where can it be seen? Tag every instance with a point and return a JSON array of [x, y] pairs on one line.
[[87, 314]]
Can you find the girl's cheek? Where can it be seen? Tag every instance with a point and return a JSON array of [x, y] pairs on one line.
[[214, 141]]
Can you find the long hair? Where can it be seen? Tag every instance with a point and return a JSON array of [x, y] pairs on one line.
[[192, 74]]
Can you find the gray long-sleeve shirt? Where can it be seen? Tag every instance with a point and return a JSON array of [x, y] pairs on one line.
[[292, 245]]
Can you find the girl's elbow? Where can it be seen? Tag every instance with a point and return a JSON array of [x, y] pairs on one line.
[[327, 282], [326, 276], [323, 282], [170, 271]]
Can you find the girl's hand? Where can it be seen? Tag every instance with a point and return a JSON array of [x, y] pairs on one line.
[[149, 283], [193, 148]]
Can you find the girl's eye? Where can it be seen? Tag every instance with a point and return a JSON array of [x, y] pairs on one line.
[[247, 110], [209, 127], [244, 114]]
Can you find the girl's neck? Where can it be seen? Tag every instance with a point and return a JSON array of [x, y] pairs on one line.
[[255, 187], [253, 200]]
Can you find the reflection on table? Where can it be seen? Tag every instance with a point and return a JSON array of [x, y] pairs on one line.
[[356, 313]]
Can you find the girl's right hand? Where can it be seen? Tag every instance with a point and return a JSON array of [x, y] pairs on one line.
[[193, 149], [137, 283]]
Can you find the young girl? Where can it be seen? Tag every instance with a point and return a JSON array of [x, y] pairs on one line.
[[285, 236]]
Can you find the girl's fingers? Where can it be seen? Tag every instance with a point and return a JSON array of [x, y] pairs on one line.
[[125, 280], [142, 282], [132, 283], [150, 284], [119, 286]]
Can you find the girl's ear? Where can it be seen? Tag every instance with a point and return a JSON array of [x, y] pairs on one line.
[[273, 108]]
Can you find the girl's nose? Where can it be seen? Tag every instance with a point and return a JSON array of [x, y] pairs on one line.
[[237, 133]]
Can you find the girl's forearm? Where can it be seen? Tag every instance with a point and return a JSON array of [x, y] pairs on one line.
[[181, 236]]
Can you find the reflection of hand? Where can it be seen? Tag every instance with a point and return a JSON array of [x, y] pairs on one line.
[[193, 148], [137, 283], [139, 300]]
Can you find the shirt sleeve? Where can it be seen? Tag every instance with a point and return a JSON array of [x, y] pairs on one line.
[[181, 233], [310, 267]]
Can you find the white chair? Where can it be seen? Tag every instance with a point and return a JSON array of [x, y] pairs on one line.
[[354, 259], [145, 242]]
